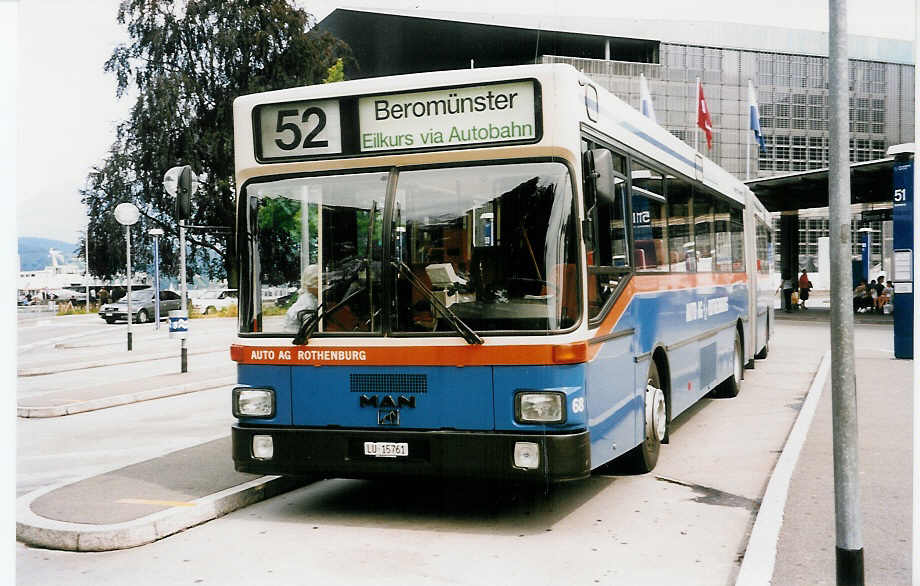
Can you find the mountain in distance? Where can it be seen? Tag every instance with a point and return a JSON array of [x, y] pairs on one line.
[[33, 252]]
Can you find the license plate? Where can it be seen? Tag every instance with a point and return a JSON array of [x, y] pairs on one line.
[[386, 449]]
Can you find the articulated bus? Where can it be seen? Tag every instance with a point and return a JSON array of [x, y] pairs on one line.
[[502, 273]]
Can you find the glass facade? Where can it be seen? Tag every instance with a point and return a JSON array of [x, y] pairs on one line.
[[792, 96]]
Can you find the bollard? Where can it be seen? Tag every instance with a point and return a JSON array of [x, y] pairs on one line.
[[178, 327]]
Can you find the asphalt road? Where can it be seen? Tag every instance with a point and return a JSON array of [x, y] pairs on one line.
[[687, 522]]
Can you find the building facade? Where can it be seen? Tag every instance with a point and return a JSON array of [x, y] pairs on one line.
[[788, 69]]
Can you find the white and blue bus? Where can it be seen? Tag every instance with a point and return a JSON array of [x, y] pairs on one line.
[[494, 273]]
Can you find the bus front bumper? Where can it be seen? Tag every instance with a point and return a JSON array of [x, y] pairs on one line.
[[339, 453]]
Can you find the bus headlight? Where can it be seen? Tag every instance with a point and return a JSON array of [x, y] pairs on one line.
[[249, 402], [539, 407]]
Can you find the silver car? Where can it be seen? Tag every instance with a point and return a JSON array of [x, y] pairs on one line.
[[142, 306]]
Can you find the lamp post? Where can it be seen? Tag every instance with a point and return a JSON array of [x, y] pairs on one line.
[[126, 213], [156, 233], [181, 183]]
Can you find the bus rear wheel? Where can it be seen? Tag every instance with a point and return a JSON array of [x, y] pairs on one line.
[[644, 457]]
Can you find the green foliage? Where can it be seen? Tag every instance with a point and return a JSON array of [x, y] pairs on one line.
[[336, 72], [186, 62]]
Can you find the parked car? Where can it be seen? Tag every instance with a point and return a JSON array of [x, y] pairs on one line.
[[142, 306], [215, 300]]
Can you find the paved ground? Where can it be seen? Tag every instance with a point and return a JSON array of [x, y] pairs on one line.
[[192, 485]]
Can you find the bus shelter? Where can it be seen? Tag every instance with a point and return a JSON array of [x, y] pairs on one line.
[[887, 182]]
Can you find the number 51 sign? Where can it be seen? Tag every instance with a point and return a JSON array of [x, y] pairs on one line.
[[293, 130]]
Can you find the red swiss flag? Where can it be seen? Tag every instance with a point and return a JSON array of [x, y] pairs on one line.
[[703, 120]]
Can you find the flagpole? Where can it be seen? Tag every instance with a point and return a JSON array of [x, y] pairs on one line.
[[696, 103], [747, 160]]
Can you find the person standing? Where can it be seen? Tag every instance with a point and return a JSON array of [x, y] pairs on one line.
[[804, 287]]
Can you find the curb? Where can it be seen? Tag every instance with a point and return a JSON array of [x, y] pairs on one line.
[[37, 531], [759, 558], [118, 400]]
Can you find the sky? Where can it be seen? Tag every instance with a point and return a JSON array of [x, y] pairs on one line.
[[67, 110]]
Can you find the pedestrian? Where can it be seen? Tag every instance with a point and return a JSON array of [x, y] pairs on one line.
[[103, 296], [804, 287], [861, 299], [787, 294], [885, 298]]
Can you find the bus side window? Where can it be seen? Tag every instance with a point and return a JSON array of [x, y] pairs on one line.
[[681, 253], [737, 229], [650, 246], [605, 225], [702, 229]]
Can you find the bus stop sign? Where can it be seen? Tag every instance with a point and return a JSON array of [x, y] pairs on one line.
[[178, 324]]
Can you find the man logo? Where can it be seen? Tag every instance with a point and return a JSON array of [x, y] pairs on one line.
[[387, 401], [388, 417]]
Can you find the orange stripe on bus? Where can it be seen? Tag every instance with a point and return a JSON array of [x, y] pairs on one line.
[[478, 355]]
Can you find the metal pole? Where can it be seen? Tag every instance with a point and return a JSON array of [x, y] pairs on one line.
[[843, 378], [86, 272], [128, 248], [156, 279], [184, 351], [747, 158]]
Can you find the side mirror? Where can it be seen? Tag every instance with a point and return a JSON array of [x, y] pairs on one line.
[[604, 180]]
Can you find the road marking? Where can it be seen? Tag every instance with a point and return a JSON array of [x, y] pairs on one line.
[[760, 555], [155, 502]]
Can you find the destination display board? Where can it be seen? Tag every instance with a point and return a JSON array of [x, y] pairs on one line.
[[438, 118], [473, 115]]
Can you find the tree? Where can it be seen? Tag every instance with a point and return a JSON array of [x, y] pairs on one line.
[[187, 61]]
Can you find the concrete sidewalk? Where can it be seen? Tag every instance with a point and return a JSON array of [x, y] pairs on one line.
[[805, 552]]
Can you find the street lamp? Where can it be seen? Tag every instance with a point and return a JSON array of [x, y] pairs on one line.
[[126, 213], [156, 233]]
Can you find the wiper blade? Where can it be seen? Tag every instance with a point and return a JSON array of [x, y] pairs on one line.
[[308, 328], [464, 330]]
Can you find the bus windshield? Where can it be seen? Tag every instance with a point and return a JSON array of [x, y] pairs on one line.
[[489, 247]]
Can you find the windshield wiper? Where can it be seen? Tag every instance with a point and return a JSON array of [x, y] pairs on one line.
[[308, 328], [464, 330]]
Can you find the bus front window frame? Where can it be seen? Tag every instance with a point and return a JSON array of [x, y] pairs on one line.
[[397, 241]]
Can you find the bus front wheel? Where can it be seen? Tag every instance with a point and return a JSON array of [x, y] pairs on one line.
[[644, 457], [731, 386]]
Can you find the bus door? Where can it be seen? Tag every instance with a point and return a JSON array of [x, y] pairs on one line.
[[610, 386]]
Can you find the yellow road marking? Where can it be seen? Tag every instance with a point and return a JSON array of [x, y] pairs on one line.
[[155, 502]]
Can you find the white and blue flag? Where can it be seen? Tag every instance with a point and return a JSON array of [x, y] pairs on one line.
[[755, 115], [645, 99]]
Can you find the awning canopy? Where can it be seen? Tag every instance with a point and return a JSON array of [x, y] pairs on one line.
[[870, 182]]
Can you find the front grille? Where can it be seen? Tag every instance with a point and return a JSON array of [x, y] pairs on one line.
[[389, 383]]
